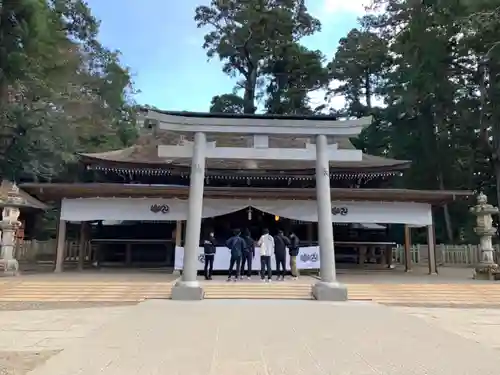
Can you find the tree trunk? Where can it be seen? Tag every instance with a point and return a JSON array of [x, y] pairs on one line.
[[447, 218], [249, 97], [368, 92]]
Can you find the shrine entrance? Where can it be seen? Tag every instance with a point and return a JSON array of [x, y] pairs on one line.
[[318, 129]]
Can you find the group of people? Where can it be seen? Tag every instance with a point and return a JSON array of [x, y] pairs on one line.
[[242, 247]]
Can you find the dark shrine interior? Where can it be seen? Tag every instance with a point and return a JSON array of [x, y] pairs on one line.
[[153, 243]]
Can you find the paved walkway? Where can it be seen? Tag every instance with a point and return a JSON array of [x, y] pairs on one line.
[[274, 337], [39, 330], [480, 325]]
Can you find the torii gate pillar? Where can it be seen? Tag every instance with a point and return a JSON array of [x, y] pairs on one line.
[[188, 288], [328, 288]]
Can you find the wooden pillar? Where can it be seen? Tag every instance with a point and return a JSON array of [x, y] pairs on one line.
[[310, 233], [362, 254], [388, 252], [388, 256], [431, 242], [128, 254], [178, 233], [61, 246], [82, 244], [407, 257], [178, 238]]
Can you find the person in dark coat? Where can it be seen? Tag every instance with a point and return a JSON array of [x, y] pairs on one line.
[[280, 244], [236, 245], [248, 254], [209, 249], [293, 250]]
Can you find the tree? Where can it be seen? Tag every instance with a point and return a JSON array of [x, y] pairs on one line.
[[227, 103], [410, 56], [293, 73], [60, 90], [361, 60], [245, 35]]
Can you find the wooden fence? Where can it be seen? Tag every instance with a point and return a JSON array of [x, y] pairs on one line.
[[446, 255], [32, 251]]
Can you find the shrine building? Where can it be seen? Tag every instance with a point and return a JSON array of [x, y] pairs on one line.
[[239, 171]]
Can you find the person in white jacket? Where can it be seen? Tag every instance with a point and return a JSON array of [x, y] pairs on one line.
[[266, 244]]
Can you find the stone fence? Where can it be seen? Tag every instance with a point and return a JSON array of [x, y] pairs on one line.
[[446, 255]]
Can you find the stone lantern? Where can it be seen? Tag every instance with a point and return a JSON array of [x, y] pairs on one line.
[[11, 201], [486, 269]]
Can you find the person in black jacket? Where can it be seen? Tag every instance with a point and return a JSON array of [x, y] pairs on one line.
[[235, 244], [293, 250], [280, 244], [209, 248], [248, 254]]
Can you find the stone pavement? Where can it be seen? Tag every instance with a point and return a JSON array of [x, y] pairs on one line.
[[270, 337], [40, 330], [480, 325]]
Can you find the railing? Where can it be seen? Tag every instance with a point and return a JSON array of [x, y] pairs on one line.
[[452, 255], [32, 251], [446, 255]]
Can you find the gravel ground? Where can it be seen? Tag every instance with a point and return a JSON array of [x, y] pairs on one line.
[[19, 306], [20, 363]]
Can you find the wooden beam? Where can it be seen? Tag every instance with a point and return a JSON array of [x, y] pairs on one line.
[[251, 153], [54, 191]]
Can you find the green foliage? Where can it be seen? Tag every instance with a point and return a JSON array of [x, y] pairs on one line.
[[359, 64], [227, 103], [250, 37], [293, 73], [434, 65], [60, 90]]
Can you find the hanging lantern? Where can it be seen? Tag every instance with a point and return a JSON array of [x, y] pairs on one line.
[[249, 211], [276, 218]]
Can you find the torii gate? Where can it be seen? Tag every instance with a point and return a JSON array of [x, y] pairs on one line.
[[328, 288]]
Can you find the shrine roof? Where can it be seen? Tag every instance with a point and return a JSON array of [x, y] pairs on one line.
[[55, 191], [145, 153], [30, 202]]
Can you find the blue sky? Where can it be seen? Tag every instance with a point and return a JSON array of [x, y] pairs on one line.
[[161, 45]]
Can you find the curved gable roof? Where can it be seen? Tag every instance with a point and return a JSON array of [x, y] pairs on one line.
[[145, 154]]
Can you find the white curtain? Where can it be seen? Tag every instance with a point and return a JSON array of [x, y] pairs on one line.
[[218, 207], [88, 209]]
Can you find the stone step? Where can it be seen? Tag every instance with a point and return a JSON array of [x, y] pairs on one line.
[[250, 296], [432, 294], [258, 291]]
